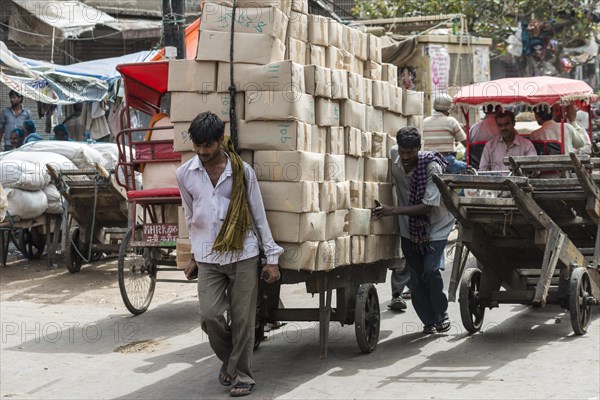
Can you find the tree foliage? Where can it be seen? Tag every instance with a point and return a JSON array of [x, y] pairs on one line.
[[571, 20]]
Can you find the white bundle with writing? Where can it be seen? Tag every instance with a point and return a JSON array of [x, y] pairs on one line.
[[26, 204], [22, 174], [40, 159], [82, 155]]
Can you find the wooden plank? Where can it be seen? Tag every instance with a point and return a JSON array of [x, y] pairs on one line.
[[452, 201], [487, 202], [551, 256], [482, 181], [529, 208]]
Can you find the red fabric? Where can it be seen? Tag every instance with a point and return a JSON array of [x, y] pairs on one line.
[[531, 90], [153, 151], [162, 192]]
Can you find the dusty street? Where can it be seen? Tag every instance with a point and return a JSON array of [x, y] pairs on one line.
[[69, 336]]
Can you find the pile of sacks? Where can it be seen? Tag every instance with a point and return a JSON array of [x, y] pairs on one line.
[[26, 181]]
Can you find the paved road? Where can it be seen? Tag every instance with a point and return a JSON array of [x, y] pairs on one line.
[[69, 337]]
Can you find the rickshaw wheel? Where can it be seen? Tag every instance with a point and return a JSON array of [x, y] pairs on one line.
[[72, 258], [367, 318], [580, 290], [137, 273], [472, 310], [31, 243]]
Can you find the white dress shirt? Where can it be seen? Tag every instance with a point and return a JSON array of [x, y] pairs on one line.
[[206, 206]]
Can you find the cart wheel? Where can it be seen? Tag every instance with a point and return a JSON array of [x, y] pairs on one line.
[[471, 307], [137, 274], [72, 258], [31, 243], [580, 291], [366, 318]]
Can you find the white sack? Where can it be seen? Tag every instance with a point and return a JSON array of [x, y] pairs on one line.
[[82, 155], [54, 199], [26, 204], [25, 175], [41, 158], [3, 204]]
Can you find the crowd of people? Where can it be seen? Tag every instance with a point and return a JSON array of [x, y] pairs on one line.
[[17, 126]]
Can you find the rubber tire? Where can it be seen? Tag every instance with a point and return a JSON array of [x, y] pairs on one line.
[[367, 318], [31, 243], [469, 301], [72, 258], [146, 271], [579, 291]]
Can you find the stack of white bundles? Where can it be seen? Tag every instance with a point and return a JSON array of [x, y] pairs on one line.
[[317, 124], [80, 153]]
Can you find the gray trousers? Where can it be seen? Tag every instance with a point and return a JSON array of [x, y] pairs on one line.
[[232, 286]]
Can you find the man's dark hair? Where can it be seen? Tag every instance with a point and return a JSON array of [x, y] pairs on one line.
[[15, 93], [545, 114], [29, 126], [504, 114], [62, 128], [408, 137], [206, 128]]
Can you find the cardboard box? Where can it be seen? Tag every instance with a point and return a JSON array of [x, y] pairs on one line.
[[250, 48], [368, 91], [335, 168], [299, 256], [356, 87], [335, 140], [184, 255], [359, 221], [366, 144], [374, 48], [372, 248], [374, 119], [192, 76], [383, 192], [280, 106], [318, 30], [258, 20], [295, 227], [337, 224], [327, 112], [356, 194], [412, 102], [373, 70], [385, 226], [289, 166], [296, 51], [328, 196], [336, 33], [357, 249], [357, 66], [183, 228], [318, 81], [284, 5], [325, 256], [353, 114], [352, 141], [298, 26], [391, 142], [343, 254], [181, 137], [393, 122], [247, 156], [347, 39], [296, 197], [361, 47], [355, 168], [343, 195], [381, 95], [395, 99], [415, 120], [274, 135], [185, 106], [283, 76], [376, 169], [300, 6], [379, 145], [338, 59], [389, 73], [339, 84], [317, 55], [319, 139]]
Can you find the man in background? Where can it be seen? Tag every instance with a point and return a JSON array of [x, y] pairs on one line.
[[485, 129], [12, 117]]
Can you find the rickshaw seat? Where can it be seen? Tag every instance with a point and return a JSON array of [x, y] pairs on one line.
[[153, 193], [475, 153], [547, 147]]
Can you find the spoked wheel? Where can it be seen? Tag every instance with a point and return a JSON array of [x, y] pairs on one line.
[[31, 243], [580, 292], [137, 273], [472, 310], [367, 318], [72, 257]]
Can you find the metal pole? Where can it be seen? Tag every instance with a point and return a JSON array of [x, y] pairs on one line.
[[173, 25]]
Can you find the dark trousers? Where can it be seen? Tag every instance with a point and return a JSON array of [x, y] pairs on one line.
[[400, 279], [426, 283]]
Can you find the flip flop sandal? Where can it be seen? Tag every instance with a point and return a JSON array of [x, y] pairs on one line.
[[429, 329], [224, 378], [241, 389], [443, 326]]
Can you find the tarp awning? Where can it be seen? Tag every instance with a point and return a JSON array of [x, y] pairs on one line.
[[530, 90]]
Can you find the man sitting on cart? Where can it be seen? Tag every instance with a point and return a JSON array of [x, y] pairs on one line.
[[551, 129], [425, 224], [227, 222], [508, 143]]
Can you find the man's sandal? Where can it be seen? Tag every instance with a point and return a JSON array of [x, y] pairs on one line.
[[224, 378], [241, 389], [443, 326]]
